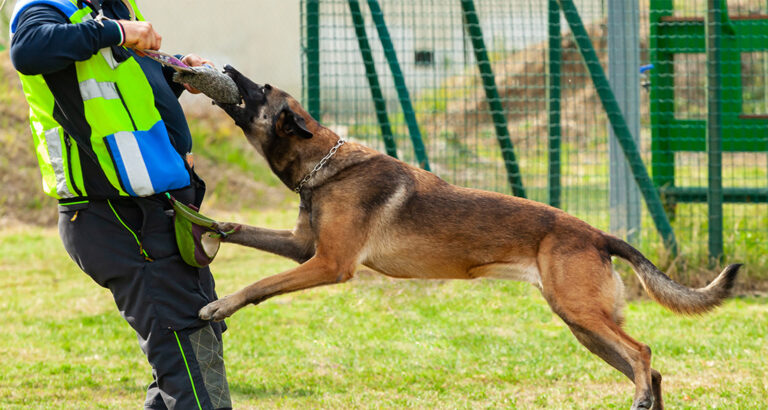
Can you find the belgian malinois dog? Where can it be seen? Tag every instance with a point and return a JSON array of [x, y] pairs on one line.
[[359, 206]]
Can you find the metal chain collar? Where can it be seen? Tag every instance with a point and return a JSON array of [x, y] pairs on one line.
[[320, 164]]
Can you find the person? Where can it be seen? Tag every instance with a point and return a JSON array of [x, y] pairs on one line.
[[111, 140]]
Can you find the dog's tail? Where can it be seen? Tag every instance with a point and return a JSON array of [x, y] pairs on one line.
[[669, 293]]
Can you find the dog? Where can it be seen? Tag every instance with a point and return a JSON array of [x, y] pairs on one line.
[[359, 206]]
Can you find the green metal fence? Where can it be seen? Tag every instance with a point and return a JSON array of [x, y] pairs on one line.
[[649, 113]]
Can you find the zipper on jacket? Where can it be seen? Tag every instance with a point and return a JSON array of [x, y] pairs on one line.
[[68, 143], [122, 100]]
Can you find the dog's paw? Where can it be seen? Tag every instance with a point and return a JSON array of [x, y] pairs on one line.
[[227, 229], [218, 310], [644, 404]]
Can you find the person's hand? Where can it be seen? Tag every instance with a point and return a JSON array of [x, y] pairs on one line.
[[194, 60], [139, 35]]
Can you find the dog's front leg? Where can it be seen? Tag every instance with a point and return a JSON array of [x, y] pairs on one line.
[[297, 244], [280, 242], [341, 236], [317, 271]]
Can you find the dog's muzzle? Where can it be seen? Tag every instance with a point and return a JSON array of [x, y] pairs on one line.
[[254, 97]]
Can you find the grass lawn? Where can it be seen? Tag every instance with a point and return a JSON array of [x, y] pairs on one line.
[[370, 343]]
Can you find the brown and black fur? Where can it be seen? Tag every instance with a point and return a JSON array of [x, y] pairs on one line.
[[366, 208]]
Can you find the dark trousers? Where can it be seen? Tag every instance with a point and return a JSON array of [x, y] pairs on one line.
[[129, 247]]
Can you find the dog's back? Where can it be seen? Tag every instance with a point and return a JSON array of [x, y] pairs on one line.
[[450, 231]]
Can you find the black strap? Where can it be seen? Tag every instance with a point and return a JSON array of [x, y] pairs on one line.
[[95, 5]]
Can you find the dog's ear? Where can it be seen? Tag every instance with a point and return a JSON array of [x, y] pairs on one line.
[[293, 124]]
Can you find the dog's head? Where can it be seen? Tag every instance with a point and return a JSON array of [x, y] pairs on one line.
[[267, 114]]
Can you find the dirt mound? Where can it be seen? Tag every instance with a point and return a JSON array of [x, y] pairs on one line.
[[522, 85], [21, 197]]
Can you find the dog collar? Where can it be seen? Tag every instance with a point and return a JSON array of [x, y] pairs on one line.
[[319, 165]]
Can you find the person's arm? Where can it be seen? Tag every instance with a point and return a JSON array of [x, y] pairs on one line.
[[45, 41]]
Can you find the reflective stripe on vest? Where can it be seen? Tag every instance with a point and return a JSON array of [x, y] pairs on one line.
[[53, 140], [90, 89], [136, 175]]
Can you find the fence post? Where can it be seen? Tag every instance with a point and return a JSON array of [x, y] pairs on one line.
[[492, 95], [379, 102], [623, 133], [402, 89], [313, 58], [624, 76], [714, 128], [553, 99], [662, 96]]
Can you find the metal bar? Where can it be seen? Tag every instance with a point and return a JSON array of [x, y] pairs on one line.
[[553, 99], [624, 76], [651, 196], [313, 58], [402, 90], [689, 36], [379, 102], [492, 95], [730, 195], [714, 129], [662, 99]]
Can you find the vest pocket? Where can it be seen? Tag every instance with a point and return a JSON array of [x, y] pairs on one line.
[[145, 161]]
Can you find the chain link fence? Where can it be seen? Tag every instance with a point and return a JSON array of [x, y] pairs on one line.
[[468, 89]]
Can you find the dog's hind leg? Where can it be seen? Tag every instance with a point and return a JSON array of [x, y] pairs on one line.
[[658, 402], [628, 356], [580, 287]]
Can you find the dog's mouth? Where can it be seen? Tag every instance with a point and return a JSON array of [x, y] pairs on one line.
[[237, 112], [254, 97]]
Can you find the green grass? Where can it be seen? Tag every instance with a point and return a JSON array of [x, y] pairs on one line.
[[369, 343]]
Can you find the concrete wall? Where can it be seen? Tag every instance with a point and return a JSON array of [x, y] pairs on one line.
[[261, 38]]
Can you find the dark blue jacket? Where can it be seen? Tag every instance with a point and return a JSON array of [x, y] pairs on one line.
[[45, 42]]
